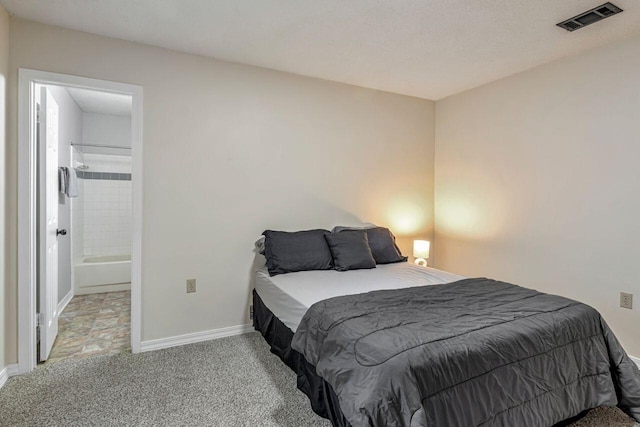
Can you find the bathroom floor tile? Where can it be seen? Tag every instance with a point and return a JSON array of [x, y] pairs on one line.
[[93, 325]]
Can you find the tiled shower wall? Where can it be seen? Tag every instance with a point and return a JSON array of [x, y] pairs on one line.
[[106, 205]]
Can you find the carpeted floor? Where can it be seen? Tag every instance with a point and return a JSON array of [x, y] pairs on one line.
[[233, 381]]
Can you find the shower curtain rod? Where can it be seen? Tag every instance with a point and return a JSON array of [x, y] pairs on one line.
[[100, 146]]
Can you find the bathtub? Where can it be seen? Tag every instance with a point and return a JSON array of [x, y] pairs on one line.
[[102, 274]]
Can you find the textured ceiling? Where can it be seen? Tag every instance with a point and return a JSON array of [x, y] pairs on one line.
[[92, 101], [425, 48]]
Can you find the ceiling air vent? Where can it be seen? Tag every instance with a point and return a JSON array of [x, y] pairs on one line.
[[590, 16]]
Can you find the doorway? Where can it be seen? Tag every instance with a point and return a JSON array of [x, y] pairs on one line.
[[92, 240], [80, 202]]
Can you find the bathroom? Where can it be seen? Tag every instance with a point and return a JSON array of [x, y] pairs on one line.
[[94, 220]]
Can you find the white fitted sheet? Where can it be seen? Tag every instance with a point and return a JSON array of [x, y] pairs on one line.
[[289, 296]]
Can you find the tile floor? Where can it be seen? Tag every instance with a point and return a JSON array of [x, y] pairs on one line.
[[93, 325]]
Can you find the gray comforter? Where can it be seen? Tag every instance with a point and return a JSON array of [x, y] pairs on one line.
[[472, 353]]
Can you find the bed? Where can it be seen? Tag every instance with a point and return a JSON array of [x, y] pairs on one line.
[[280, 303], [401, 345]]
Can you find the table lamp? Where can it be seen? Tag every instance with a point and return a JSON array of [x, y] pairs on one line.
[[421, 251]]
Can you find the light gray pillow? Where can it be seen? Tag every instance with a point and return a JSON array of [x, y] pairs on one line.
[[260, 245]]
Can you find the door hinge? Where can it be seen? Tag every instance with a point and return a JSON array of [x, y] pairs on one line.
[[39, 319]]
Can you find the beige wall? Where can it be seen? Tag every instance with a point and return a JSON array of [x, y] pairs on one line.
[[536, 174], [230, 150], [5, 292], [538, 181]]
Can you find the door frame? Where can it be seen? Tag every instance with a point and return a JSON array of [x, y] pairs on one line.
[[27, 185]]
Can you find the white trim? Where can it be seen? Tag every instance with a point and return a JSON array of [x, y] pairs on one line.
[[26, 224], [136, 244], [27, 155], [636, 360], [100, 289], [195, 337], [4, 376], [8, 372], [72, 248], [63, 304]]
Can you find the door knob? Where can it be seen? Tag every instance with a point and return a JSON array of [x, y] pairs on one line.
[[61, 232]]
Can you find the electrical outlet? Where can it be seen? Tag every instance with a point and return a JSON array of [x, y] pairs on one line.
[[251, 312], [626, 300], [191, 285]]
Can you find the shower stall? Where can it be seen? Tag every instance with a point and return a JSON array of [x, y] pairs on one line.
[[101, 219]]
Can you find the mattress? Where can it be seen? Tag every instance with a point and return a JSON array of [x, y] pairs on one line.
[[289, 296]]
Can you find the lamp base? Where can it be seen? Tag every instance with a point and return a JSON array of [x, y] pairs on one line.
[[421, 262]]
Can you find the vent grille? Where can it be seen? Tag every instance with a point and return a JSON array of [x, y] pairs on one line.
[[590, 16]]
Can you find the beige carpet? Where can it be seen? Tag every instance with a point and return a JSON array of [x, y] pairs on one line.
[[232, 381], [605, 417]]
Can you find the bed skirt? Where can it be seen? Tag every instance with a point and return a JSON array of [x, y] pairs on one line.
[[323, 399]]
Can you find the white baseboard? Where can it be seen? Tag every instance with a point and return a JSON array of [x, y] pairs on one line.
[[8, 372], [636, 360], [99, 289], [194, 337], [63, 304], [4, 376]]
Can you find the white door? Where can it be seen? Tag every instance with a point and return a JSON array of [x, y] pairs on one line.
[[48, 200]]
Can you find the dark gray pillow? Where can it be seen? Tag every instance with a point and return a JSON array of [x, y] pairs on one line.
[[287, 252], [350, 250], [364, 226], [383, 245]]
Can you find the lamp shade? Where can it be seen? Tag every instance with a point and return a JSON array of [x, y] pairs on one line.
[[421, 248]]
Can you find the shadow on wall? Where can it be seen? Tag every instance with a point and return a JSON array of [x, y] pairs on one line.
[[295, 217], [405, 216]]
